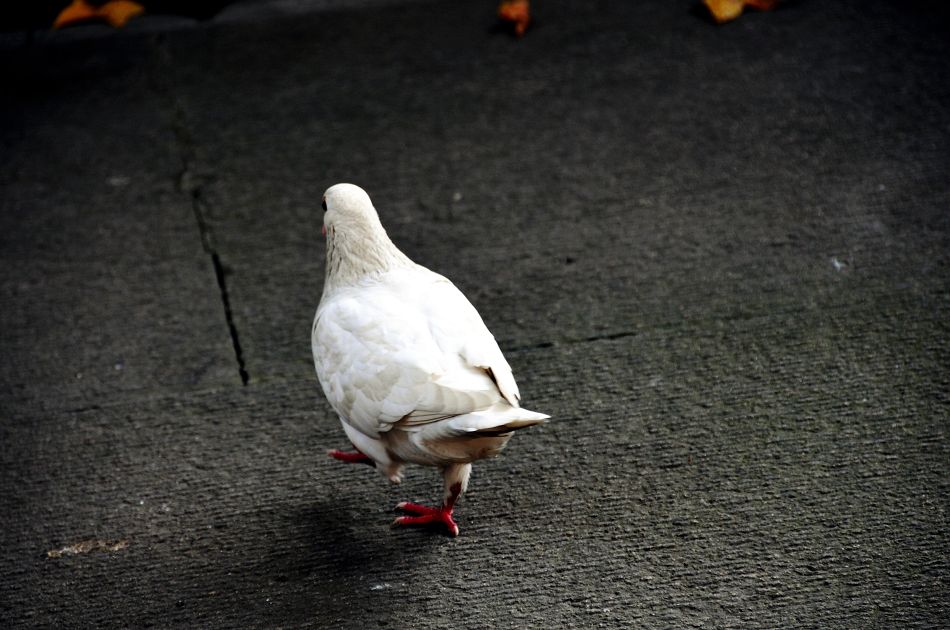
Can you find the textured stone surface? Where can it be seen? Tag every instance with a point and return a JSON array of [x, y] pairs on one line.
[[104, 284], [717, 256]]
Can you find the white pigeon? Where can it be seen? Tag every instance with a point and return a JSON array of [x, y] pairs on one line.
[[406, 361]]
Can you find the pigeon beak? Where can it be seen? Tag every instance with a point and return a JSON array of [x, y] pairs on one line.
[[323, 230]]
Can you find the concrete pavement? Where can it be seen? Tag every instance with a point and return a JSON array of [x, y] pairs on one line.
[[718, 257]]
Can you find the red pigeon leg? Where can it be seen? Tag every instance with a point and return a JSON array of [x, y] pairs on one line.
[[425, 515]]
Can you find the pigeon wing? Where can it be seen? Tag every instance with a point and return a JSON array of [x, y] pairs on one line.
[[411, 350], [458, 329]]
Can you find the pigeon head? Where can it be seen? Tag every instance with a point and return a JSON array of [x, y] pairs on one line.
[[357, 243], [347, 207]]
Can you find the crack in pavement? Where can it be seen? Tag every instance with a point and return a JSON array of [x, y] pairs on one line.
[[570, 341], [188, 182]]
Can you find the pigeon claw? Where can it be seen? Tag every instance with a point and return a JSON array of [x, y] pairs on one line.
[[425, 515], [351, 457]]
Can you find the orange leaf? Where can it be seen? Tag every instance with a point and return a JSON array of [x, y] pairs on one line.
[[78, 11], [727, 10], [517, 12], [116, 13]]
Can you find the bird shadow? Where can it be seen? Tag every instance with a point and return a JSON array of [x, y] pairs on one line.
[[338, 541], [324, 542]]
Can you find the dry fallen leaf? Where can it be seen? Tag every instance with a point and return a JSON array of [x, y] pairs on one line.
[[86, 546], [517, 13], [78, 11], [727, 10], [116, 13]]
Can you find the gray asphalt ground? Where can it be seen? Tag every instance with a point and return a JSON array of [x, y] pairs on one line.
[[717, 256]]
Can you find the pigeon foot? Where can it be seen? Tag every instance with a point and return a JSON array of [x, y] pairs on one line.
[[425, 515], [351, 457]]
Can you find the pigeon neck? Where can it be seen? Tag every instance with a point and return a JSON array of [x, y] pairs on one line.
[[356, 253]]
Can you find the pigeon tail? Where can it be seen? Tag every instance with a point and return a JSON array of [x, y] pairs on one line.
[[496, 420], [463, 438]]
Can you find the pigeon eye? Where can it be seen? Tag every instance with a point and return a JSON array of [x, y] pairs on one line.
[[324, 205]]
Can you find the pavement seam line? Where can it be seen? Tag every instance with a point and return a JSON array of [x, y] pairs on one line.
[[541, 345]]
